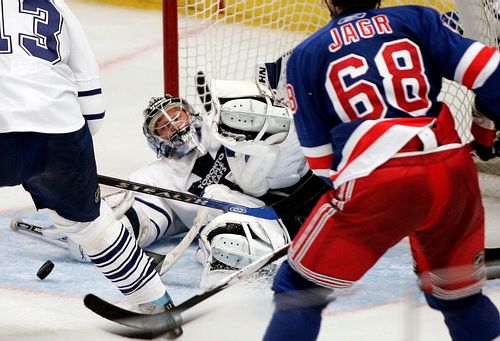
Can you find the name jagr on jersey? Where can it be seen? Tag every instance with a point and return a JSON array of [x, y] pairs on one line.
[[361, 28]]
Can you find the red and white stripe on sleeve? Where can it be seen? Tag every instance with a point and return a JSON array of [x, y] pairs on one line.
[[476, 65], [319, 159]]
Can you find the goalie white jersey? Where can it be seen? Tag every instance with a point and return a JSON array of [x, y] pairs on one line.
[[192, 173], [36, 39]]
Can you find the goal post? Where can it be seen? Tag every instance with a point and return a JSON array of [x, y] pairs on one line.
[[170, 48]]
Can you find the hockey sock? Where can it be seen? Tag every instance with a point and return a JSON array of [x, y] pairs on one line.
[[162, 301], [299, 303], [470, 318], [294, 325]]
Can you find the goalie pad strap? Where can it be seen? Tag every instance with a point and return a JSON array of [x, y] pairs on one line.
[[134, 221], [247, 114]]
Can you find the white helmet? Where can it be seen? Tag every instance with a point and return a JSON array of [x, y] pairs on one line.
[[171, 127]]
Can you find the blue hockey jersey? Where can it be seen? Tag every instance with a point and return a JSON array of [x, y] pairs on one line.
[[365, 77]]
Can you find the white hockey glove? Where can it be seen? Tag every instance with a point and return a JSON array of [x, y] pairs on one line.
[[283, 167], [258, 128], [232, 241], [290, 164]]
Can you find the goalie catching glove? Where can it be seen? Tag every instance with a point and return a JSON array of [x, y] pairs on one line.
[[231, 241], [259, 136], [486, 142]]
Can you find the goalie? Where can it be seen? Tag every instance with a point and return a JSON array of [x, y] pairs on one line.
[[245, 151]]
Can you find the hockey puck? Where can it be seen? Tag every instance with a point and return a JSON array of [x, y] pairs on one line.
[[45, 269]]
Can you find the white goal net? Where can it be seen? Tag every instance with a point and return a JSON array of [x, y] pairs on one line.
[[226, 39]]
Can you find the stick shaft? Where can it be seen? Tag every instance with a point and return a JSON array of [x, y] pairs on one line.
[[17, 224], [260, 212], [174, 255]]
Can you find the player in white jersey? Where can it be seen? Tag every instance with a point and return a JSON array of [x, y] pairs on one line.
[[50, 103]]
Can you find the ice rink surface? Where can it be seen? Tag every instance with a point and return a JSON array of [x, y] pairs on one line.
[[384, 306]]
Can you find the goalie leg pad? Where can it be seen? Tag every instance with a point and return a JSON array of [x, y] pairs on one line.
[[232, 241], [241, 239], [238, 251]]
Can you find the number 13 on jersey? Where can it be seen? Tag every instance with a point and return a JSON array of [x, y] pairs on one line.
[[39, 39]]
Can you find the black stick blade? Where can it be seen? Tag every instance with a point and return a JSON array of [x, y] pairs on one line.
[[164, 321]]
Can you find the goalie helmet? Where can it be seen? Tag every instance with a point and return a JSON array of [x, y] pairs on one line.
[[171, 127]]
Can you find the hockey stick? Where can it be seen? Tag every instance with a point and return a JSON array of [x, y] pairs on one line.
[[159, 324], [284, 207], [17, 224], [174, 255], [265, 212]]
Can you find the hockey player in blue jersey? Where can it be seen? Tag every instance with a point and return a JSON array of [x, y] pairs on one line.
[[364, 91]]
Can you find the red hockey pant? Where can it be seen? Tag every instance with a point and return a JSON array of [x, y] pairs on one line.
[[433, 199]]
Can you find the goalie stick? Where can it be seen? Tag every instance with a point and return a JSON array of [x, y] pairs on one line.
[[287, 206], [174, 255], [147, 325], [17, 224]]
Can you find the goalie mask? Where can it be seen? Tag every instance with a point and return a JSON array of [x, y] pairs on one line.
[[171, 127]]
